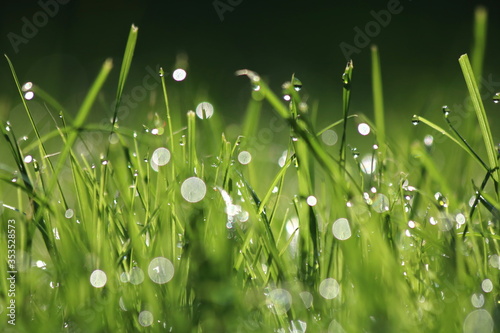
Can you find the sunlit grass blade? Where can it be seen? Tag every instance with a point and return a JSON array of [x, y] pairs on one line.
[[81, 116], [439, 129], [484, 126], [346, 101], [378, 101]]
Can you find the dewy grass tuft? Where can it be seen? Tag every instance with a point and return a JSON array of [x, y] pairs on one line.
[[164, 232]]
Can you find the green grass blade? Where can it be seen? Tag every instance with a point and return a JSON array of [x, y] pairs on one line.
[[477, 103], [81, 117], [480, 34], [127, 61], [346, 101], [378, 101], [452, 138]]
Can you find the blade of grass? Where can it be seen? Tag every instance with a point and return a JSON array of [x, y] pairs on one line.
[[452, 138], [346, 100], [127, 61], [481, 116], [80, 119]]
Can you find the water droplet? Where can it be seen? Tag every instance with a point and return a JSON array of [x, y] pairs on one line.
[[329, 288], [446, 111], [136, 276], [380, 203], [244, 157], [287, 97], [55, 231], [161, 270], [28, 159], [98, 278], [341, 229], [441, 199], [145, 318], [428, 140], [364, 129], [161, 156], [477, 300], [104, 162], [307, 298], [311, 200], [329, 137], [29, 95], [27, 86], [415, 120], [69, 213], [496, 98], [41, 264], [179, 74], [193, 189], [368, 164], [478, 321], [355, 153], [204, 110], [487, 285], [335, 327], [279, 300], [297, 84]]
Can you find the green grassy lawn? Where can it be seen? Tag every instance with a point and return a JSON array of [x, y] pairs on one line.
[[181, 225]]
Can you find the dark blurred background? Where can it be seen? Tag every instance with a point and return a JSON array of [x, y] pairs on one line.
[[419, 50]]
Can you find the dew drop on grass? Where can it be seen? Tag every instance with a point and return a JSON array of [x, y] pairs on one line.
[[98, 278], [121, 303], [279, 300], [193, 189], [368, 164], [341, 229], [477, 300], [329, 288], [496, 98], [204, 110], [161, 156], [124, 277], [446, 111], [428, 140], [161, 270], [287, 97], [311, 200], [380, 203], [307, 298], [41, 264], [29, 95], [244, 157], [136, 276], [335, 327], [460, 218], [297, 84], [145, 318], [28, 159], [329, 137], [478, 321], [487, 285], [415, 120], [179, 74], [69, 213], [495, 261], [364, 129], [27, 86]]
